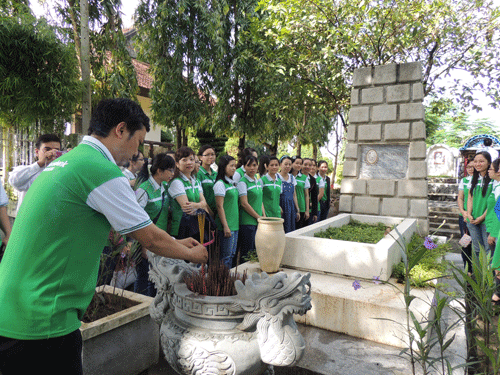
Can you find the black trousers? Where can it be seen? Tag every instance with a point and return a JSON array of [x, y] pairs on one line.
[[59, 355]]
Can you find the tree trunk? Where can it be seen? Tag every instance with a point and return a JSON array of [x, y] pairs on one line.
[[315, 151], [85, 61], [299, 146], [8, 153], [184, 137], [178, 136], [76, 33]]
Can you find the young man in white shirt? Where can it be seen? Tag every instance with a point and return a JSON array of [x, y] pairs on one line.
[[21, 177]]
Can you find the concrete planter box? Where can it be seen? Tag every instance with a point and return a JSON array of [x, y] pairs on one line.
[[124, 343], [306, 252]]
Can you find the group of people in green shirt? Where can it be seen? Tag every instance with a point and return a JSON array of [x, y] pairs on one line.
[[479, 205], [236, 194]]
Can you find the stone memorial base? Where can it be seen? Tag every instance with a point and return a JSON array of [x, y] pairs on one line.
[[374, 312], [305, 252]]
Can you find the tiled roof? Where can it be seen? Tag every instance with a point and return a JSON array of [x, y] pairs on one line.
[[144, 79]]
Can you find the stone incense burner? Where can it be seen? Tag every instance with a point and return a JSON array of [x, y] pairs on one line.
[[237, 335]]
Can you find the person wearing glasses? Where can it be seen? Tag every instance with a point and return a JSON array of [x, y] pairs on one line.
[[207, 175], [152, 198], [134, 166], [186, 193]]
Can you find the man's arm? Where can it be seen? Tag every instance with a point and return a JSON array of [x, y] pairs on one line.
[[5, 224], [161, 243], [22, 177]]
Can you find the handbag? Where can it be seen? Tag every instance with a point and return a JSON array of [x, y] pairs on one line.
[[465, 240]]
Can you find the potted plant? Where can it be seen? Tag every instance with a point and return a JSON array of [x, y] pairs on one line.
[[117, 323]]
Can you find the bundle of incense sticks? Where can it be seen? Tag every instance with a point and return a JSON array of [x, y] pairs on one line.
[[214, 278]]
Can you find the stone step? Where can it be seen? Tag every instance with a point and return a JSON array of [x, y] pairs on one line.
[[374, 312], [443, 215]]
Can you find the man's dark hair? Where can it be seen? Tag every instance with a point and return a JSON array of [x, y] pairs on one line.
[[110, 112], [46, 138]]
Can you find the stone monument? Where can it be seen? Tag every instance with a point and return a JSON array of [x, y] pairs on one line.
[[442, 161], [385, 169]]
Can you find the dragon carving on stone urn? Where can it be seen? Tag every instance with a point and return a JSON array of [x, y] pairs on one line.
[[244, 334]]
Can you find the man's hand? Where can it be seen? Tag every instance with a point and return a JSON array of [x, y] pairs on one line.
[[199, 254], [189, 242], [46, 157]]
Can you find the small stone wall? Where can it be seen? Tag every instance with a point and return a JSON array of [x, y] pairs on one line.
[[385, 168]]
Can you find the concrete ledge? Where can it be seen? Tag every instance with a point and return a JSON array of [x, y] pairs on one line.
[[125, 343], [373, 312]]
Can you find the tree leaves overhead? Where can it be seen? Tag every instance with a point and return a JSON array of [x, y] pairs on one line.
[[112, 71], [38, 73], [325, 40]]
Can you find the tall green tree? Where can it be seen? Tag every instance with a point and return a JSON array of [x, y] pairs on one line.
[[39, 86], [38, 73], [452, 126], [178, 46], [112, 71], [321, 42]]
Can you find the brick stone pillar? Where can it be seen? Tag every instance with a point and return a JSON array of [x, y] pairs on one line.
[[385, 170]]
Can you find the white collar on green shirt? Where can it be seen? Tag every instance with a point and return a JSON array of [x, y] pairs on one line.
[[185, 178], [98, 145], [250, 179], [155, 184], [269, 177]]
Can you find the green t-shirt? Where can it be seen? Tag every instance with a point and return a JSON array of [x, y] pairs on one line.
[[207, 182], [49, 271], [271, 190], [253, 191], [302, 184], [231, 206], [478, 201], [464, 185], [182, 186], [491, 221], [157, 202]]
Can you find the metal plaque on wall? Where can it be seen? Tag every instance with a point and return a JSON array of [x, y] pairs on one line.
[[384, 162]]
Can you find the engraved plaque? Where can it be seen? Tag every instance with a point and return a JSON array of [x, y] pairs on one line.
[[384, 162]]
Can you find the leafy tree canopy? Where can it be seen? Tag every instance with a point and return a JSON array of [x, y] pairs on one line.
[[447, 124], [38, 73], [323, 41]]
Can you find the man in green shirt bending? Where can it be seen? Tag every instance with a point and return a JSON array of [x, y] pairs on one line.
[[49, 270]]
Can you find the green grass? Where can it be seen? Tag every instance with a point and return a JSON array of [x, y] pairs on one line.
[[355, 232], [428, 269]]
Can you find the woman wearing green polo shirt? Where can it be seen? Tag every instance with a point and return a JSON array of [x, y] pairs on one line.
[[491, 220], [226, 199], [206, 174], [186, 193], [476, 202], [301, 191], [250, 196], [151, 196], [463, 194], [240, 171], [271, 185]]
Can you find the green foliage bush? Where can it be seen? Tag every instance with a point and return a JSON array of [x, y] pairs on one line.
[[429, 268], [356, 232]]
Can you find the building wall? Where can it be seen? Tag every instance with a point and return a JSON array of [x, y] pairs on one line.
[[155, 133]]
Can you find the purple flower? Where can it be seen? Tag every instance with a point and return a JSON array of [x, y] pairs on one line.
[[376, 280], [356, 285], [434, 302], [429, 244]]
